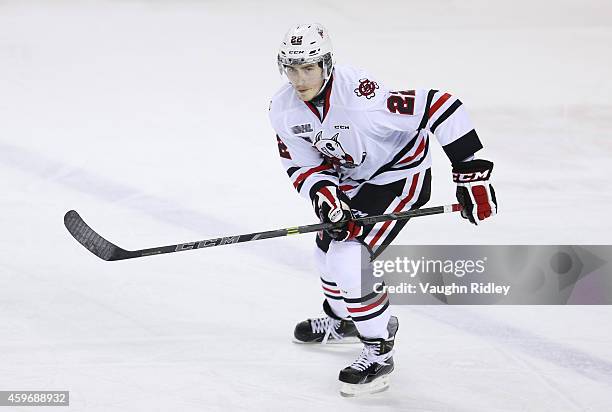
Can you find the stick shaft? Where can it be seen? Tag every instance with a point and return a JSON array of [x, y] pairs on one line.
[[106, 250]]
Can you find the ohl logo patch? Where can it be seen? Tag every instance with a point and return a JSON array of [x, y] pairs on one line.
[[366, 88]]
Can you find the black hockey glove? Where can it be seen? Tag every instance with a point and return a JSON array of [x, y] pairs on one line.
[[332, 205], [474, 191]]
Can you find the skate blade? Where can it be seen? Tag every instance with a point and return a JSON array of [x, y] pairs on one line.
[[344, 341], [349, 390]]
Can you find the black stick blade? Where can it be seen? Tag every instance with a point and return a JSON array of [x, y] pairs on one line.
[[87, 237]]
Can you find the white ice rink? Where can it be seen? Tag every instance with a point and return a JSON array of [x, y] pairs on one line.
[[150, 119]]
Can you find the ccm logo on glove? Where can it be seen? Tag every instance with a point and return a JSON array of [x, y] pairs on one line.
[[472, 177]]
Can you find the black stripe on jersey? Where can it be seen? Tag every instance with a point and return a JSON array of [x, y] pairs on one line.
[[324, 171], [332, 297], [445, 115], [375, 200], [397, 157], [299, 186], [292, 170], [371, 315], [465, 146], [366, 231], [328, 283], [425, 118], [424, 196], [418, 162]]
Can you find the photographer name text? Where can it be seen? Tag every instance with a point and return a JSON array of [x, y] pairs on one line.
[[448, 290]]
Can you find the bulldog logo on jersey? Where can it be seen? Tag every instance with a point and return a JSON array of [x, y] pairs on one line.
[[333, 151], [366, 88]]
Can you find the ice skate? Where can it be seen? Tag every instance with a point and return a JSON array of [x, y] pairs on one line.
[[370, 372], [330, 328], [325, 330]]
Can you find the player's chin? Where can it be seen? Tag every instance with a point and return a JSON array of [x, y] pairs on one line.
[[305, 95]]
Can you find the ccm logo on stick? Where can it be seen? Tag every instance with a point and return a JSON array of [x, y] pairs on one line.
[[208, 243]]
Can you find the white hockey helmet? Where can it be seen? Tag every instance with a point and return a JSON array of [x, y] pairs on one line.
[[304, 44]]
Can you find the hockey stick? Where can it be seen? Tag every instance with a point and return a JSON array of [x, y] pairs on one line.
[[106, 250]]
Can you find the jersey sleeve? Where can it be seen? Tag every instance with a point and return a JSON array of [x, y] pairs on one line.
[[436, 111], [306, 168]]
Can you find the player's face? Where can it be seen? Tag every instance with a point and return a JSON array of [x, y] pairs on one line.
[[307, 79]]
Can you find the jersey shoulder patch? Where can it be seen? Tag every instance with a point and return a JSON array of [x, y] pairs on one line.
[[357, 89]]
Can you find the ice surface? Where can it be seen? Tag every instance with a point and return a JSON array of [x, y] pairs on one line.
[[150, 119]]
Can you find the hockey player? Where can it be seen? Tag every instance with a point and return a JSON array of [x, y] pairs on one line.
[[354, 148]]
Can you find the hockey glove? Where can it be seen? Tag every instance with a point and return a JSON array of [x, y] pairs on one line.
[[332, 205], [474, 191]]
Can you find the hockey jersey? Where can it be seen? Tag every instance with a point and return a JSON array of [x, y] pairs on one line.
[[366, 133]]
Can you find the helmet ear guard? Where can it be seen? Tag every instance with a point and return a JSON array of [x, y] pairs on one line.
[[327, 65]]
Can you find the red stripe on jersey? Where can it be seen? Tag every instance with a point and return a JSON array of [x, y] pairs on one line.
[[346, 188], [331, 290], [418, 151], [434, 107], [327, 97], [327, 193], [370, 306], [398, 208], [307, 173]]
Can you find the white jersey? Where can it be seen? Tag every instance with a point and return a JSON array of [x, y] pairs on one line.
[[365, 133]]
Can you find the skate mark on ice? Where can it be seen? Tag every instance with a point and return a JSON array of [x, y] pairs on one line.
[[110, 191]]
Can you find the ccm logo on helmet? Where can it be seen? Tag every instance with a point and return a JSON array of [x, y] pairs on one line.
[[296, 52], [471, 177]]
